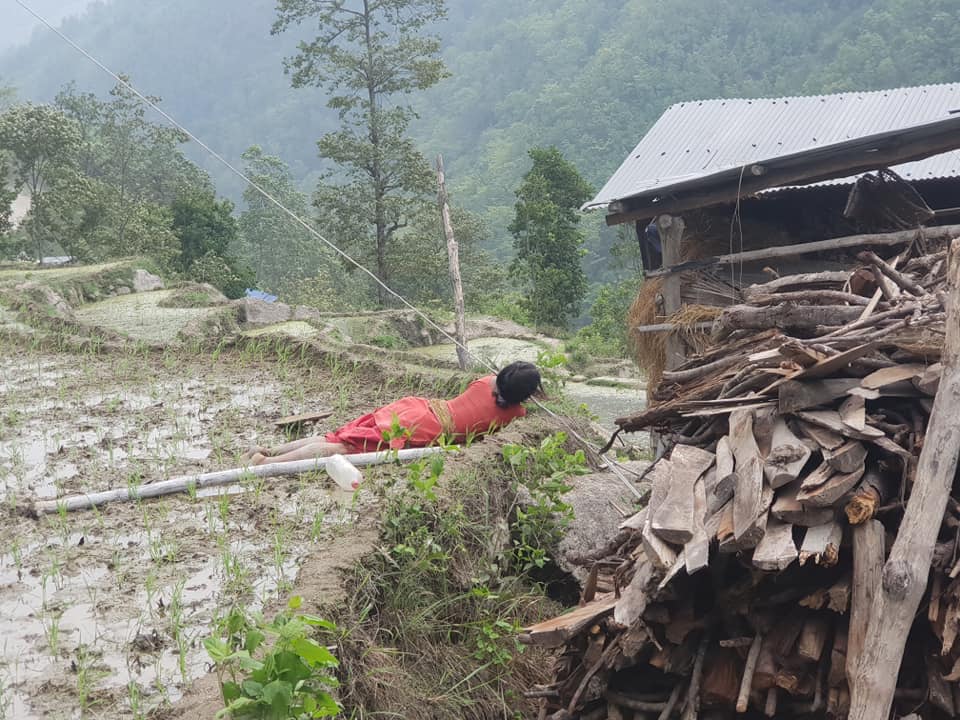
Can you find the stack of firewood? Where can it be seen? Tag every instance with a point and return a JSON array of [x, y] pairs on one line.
[[743, 588]]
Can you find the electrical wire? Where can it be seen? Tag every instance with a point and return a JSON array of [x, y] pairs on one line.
[[309, 228]]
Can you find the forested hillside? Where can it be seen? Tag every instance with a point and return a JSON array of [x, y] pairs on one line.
[[588, 76]]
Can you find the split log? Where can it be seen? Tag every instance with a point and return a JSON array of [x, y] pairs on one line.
[[875, 488], [868, 557], [721, 678], [836, 278], [657, 551], [673, 518], [556, 631], [826, 439], [818, 477], [846, 458], [796, 395], [832, 490], [822, 543], [777, 550], [786, 458], [749, 513], [853, 413], [813, 638], [888, 376], [787, 508], [786, 317], [696, 552]]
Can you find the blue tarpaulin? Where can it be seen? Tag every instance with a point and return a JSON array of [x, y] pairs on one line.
[[261, 295]]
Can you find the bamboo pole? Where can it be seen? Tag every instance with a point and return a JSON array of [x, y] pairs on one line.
[[453, 255], [221, 477]]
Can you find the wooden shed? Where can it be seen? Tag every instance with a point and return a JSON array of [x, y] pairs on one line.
[[724, 194]]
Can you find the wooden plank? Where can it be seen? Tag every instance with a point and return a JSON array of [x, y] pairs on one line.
[[556, 631], [777, 550], [787, 456], [822, 544], [828, 367], [889, 375], [818, 477], [868, 558], [787, 508], [673, 519], [696, 552], [830, 420], [796, 395], [831, 491], [723, 490], [853, 413], [302, 419], [748, 488], [633, 600], [657, 551], [826, 439], [846, 458], [813, 638]]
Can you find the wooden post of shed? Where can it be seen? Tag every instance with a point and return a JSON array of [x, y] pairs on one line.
[[671, 235], [453, 255]]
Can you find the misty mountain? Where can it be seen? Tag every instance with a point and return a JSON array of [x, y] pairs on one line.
[[17, 25], [586, 75]]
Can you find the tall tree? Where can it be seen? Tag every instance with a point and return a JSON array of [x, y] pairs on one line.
[[366, 54], [277, 247], [547, 239], [43, 144]]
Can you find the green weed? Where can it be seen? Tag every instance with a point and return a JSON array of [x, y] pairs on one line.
[[289, 679]]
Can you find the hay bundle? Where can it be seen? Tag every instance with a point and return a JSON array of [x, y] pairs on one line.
[[649, 349]]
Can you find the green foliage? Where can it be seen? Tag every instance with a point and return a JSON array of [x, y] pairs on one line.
[[290, 678], [543, 471], [548, 243], [606, 335], [420, 267], [42, 144], [277, 247], [207, 230], [364, 57]]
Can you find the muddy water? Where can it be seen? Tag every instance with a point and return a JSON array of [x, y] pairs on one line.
[[605, 403], [102, 614]]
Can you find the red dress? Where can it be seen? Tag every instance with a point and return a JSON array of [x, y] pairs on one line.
[[473, 411]]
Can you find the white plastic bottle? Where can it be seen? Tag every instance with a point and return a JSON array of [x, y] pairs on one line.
[[344, 472]]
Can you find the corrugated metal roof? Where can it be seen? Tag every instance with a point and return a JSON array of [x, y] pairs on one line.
[[700, 138]]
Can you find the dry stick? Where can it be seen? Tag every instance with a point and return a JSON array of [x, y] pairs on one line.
[[215, 479], [906, 570], [743, 699], [898, 277], [904, 309], [693, 692], [671, 703]]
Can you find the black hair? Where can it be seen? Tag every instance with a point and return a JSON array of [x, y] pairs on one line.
[[517, 382]]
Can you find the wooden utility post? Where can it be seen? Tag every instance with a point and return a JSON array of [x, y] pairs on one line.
[[905, 574], [671, 235], [453, 255]]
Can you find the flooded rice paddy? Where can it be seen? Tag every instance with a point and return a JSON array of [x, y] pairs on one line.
[[102, 613]]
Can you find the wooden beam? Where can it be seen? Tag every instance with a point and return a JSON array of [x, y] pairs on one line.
[[901, 237], [904, 578], [671, 235]]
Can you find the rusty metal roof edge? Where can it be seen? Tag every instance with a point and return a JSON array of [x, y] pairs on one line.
[[733, 173]]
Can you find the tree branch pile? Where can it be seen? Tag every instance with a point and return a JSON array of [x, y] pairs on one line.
[[745, 587]]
